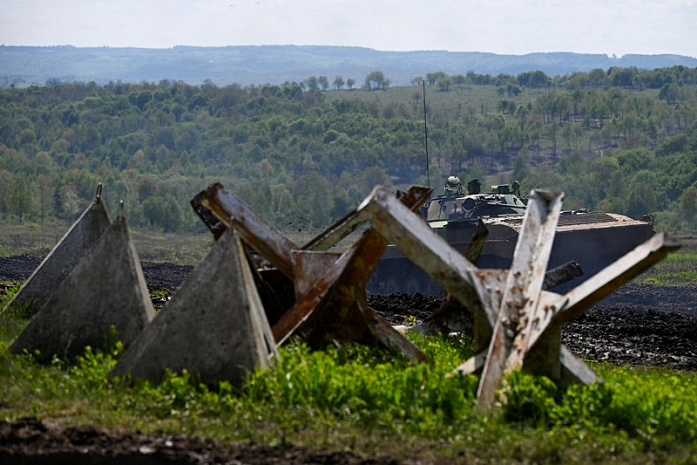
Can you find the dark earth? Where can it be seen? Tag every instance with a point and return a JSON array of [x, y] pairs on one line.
[[639, 325]]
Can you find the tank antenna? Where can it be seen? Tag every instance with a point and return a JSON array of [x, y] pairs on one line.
[[428, 171]]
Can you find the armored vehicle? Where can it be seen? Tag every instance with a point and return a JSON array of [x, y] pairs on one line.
[[591, 239]]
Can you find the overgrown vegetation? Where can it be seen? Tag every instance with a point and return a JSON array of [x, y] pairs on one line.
[[623, 140]]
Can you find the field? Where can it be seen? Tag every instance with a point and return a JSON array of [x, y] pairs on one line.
[[188, 249]]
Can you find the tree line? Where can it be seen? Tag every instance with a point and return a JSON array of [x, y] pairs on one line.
[[632, 77], [302, 159]]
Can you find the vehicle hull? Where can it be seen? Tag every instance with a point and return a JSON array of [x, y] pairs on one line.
[[591, 239]]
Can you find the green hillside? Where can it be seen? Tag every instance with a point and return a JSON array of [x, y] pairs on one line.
[[303, 154]]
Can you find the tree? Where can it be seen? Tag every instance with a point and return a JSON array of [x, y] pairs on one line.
[[533, 79], [622, 77], [435, 78], [44, 184], [312, 84], [552, 132], [642, 200], [376, 81], [68, 202], [513, 90], [315, 192], [199, 100], [350, 83], [444, 84], [43, 164], [21, 199], [669, 93], [521, 166], [5, 180], [688, 206], [596, 77], [338, 82], [143, 98], [323, 83]]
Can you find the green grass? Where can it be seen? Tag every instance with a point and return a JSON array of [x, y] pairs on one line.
[[453, 103], [677, 269], [38, 239], [371, 402]]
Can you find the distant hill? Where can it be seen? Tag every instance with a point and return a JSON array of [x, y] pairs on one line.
[[276, 64]]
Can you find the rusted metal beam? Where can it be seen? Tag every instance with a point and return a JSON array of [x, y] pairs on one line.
[[329, 287], [257, 232], [413, 199], [332, 303], [310, 300], [216, 227], [345, 314]]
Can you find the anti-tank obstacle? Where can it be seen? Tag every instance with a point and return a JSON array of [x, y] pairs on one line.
[[103, 297], [517, 322], [53, 269], [329, 301]]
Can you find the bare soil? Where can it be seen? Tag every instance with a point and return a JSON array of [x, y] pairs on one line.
[[639, 325]]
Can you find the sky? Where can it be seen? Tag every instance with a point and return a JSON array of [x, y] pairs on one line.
[[611, 27]]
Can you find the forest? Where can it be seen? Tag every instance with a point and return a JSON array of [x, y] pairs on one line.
[[304, 153]]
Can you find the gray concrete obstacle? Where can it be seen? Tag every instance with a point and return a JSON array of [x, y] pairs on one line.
[[77, 242], [106, 289], [214, 326]]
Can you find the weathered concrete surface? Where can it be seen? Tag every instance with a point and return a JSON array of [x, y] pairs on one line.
[[214, 326], [78, 241], [105, 289]]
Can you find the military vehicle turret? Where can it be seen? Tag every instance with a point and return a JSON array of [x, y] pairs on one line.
[[592, 239]]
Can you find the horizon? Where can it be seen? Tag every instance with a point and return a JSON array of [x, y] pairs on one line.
[[609, 56], [625, 27]]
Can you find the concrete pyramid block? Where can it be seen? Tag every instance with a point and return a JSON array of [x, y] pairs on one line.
[[214, 326], [78, 241], [105, 289]]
